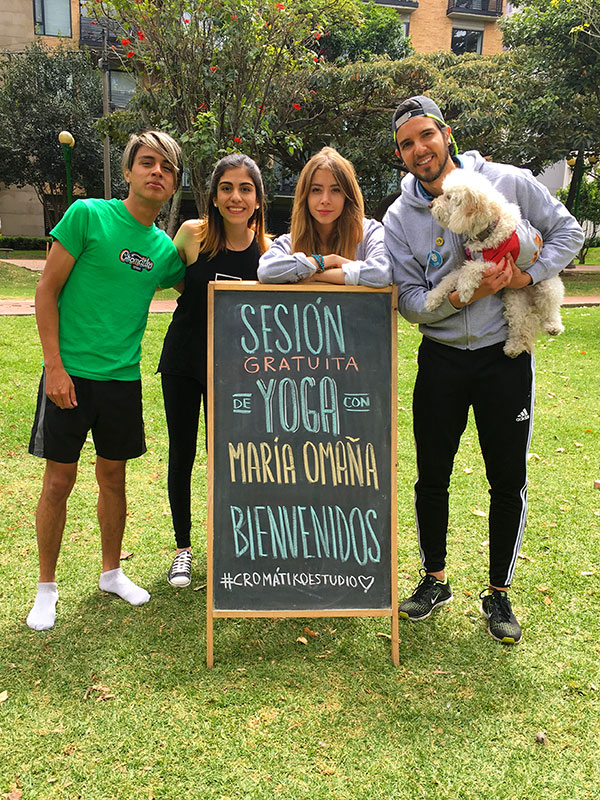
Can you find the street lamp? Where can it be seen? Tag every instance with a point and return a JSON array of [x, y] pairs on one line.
[[67, 141]]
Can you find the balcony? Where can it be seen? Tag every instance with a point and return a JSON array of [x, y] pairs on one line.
[[91, 32], [475, 9], [401, 5]]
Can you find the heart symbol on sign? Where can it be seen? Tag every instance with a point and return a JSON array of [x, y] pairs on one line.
[[365, 582]]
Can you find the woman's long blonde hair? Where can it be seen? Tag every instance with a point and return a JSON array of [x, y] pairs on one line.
[[213, 232], [348, 230]]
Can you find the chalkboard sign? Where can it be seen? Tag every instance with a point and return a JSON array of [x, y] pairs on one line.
[[301, 434]]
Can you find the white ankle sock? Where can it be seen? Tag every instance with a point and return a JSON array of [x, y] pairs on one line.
[[116, 582], [42, 615]]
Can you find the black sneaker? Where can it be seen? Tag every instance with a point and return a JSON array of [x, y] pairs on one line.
[[502, 623], [429, 594], [180, 573]]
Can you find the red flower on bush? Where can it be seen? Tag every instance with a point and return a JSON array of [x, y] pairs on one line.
[[202, 107], [130, 54], [213, 69], [297, 106], [279, 6], [186, 21], [317, 35], [141, 36], [262, 109], [234, 16], [125, 42], [236, 139]]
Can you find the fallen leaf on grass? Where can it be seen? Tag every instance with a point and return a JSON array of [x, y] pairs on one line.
[[560, 450], [533, 455], [578, 444], [524, 557], [543, 588], [199, 588], [125, 554], [3, 696], [310, 633], [588, 574], [327, 770], [468, 470], [384, 636], [302, 640], [547, 600], [14, 794], [478, 513], [103, 692]]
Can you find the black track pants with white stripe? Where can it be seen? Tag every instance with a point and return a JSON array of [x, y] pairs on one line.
[[501, 392]]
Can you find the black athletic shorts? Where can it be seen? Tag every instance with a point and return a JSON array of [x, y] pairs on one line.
[[112, 410]]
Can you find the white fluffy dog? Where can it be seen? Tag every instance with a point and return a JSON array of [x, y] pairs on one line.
[[470, 205]]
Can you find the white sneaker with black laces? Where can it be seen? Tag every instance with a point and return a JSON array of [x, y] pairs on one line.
[[180, 574]]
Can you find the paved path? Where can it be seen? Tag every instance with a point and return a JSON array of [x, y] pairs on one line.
[[20, 308]]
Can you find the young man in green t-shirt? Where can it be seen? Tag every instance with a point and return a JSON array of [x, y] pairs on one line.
[[92, 305]]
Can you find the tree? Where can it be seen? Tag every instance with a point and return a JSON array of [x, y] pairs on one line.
[[42, 92], [586, 207], [559, 46], [209, 69], [379, 32]]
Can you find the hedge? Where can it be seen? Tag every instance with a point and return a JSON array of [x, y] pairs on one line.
[[24, 242]]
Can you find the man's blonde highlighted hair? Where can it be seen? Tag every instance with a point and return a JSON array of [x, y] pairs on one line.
[[349, 225], [159, 141]]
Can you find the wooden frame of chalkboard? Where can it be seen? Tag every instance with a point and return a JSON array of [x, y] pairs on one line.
[[302, 421]]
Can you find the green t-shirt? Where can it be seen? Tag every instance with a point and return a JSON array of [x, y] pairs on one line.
[[103, 306]]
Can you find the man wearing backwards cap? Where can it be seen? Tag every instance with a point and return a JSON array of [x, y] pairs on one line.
[[461, 360]]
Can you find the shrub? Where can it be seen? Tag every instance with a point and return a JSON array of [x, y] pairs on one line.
[[24, 242]]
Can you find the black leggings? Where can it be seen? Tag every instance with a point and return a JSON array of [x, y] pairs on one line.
[[500, 389], [182, 397]]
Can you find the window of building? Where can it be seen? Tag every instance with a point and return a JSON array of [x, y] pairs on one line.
[[464, 41], [52, 17], [122, 88]]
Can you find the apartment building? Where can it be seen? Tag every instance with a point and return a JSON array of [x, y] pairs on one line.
[[463, 26], [21, 23]]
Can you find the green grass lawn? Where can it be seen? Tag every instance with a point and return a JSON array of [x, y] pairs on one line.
[[115, 701], [27, 254], [593, 257], [19, 283], [582, 285]]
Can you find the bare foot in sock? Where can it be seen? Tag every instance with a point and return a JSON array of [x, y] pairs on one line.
[[42, 615], [116, 582]]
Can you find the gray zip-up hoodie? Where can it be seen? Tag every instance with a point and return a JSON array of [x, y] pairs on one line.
[[411, 234]]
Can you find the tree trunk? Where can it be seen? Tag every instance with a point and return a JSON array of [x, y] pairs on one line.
[[198, 181], [173, 223], [575, 179]]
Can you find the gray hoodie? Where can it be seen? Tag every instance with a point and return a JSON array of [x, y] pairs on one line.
[[411, 233]]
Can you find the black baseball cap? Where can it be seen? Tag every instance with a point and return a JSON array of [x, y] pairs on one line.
[[419, 106]]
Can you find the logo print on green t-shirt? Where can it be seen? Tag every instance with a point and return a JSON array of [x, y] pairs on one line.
[[136, 261]]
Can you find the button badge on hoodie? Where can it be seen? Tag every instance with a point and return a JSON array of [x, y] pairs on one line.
[[434, 259]]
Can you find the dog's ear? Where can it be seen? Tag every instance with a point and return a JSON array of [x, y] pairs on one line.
[[470, 202]]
